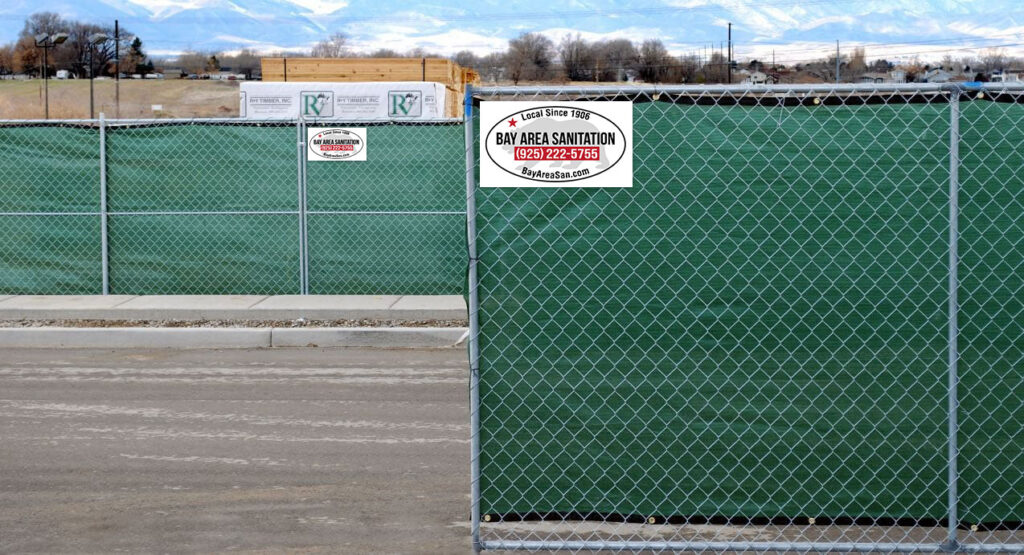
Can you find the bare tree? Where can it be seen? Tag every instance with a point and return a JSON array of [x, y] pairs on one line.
[[26, 54], [684, 70], [245, 62], [76, 52], [612, 58], [492, 66], [419, 52], [577, 58], [857, 65], [716, 69], [192, 62], [653, 61], [466, 58], [384, 53], [994, 59], [880, 66], [530, 57], [335, 46]]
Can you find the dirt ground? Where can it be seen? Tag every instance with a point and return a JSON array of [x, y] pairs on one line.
[[69, 99]]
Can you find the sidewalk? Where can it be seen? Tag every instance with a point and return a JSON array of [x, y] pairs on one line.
[[240, 307], [385, 321]]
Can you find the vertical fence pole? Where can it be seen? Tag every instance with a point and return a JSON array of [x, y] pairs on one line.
[[952, 543], [301, 167], [104, 248], [474, 347], [304, 157]]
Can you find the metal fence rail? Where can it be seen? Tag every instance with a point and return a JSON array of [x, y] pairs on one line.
[[802, 328], [228, 206]]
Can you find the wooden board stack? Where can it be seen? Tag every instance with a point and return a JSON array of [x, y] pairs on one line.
[[439, 70]]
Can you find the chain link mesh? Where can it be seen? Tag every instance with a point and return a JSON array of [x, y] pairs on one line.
[[50, 180], [749, 349], [396, 225], [219, 206], [991, 314]]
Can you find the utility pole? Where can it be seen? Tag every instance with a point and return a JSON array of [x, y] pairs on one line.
[[729, 61], [117, 70], [837, 61]]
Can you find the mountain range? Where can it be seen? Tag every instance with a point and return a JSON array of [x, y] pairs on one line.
[[794, 30]]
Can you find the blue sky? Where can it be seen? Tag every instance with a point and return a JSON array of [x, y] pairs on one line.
[[795, 30]]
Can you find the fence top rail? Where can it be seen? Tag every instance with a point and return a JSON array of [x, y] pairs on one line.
[[109, 122], [743, 88]]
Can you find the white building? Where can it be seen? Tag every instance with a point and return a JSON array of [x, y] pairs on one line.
[[756, 78]]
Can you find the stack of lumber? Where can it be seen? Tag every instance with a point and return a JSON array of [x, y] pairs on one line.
[[355, 70]]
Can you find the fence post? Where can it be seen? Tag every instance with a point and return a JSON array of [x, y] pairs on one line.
[[104, 248], [474, 347], [952, 544], [300, 130]]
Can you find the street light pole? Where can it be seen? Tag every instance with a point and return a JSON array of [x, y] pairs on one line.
[[94, 41], [46, 42]]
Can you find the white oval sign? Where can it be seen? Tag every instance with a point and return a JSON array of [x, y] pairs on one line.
[[337, 144], [544, 144]]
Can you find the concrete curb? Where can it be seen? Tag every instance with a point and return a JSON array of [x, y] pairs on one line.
[[228, 338], [233, 307]]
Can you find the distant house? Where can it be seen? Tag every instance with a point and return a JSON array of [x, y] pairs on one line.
[[874, 77], [940, 75], [898, 76], [937, 75], [1006, 77], [756, 78]]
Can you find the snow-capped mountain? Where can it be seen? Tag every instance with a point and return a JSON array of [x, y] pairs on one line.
[[792, 29]]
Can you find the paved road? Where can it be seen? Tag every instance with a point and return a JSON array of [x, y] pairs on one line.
[[302, 450]]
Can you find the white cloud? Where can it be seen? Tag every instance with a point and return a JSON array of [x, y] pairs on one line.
[[320, 7]]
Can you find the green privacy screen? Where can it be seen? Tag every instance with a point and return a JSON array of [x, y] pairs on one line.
[[758, 328], [396, 224], [214, 208], [992, 313], [42, 170]]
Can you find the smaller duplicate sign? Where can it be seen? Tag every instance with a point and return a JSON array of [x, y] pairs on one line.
[[556, 144], [336, 144]]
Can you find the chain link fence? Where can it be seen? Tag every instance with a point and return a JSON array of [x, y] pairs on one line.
[[800, 330], [228, 206]]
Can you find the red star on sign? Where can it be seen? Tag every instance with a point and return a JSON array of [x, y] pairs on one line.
[[512, 122]]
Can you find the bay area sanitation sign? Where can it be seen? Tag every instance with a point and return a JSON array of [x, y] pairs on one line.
[[556, 144], [336, 144]]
